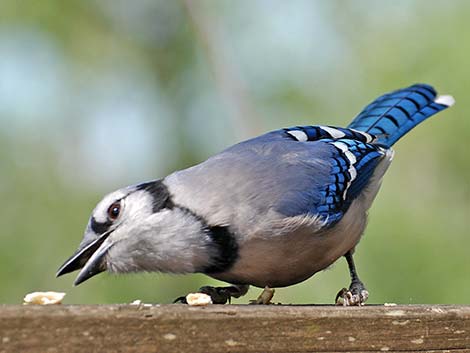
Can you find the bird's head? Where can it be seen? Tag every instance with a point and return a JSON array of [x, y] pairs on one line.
[[132, 229]]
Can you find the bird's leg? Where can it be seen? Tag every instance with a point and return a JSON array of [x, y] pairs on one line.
[[265, 296], [220, 295], [357, 293]]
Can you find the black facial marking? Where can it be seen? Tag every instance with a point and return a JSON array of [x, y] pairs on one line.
[[99, 227], [161, 195], [226, 249]]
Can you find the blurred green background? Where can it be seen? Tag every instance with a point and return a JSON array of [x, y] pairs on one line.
[[95, 95]]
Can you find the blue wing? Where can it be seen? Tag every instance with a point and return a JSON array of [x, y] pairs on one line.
[[334, 165], [392, 115], [352, 165], [352, 161], [320, 132]]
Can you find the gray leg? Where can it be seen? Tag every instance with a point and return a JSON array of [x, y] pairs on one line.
[[220, 295], [357, 293]]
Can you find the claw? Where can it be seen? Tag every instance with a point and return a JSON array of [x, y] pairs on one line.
[[219, 295], [351, 297], [180, 300]]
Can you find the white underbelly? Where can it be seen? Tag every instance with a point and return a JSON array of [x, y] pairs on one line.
[[289, 259], [286, 259]]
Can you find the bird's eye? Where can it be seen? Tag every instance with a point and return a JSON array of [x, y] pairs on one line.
[[114, 210]]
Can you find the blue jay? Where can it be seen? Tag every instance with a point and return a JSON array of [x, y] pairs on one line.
[[270, 211]]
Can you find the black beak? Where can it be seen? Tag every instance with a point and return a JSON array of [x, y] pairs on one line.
[[89, 258]]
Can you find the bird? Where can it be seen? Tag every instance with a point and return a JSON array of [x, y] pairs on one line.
[[270, 211]]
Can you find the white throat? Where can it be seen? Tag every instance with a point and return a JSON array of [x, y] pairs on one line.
[[172, 240]]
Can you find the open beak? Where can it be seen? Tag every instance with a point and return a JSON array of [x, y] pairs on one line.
[[89, 258]]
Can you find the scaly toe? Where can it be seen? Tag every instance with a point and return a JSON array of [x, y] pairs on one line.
[[219, 295], [348, 298]]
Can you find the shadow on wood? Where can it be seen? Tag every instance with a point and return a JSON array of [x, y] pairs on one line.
[[234, 328]]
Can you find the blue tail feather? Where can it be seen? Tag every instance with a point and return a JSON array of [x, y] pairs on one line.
[[392, 115]]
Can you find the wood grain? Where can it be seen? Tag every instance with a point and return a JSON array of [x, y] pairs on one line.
[[234, 328]]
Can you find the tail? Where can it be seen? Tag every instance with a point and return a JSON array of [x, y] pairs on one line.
[[392, 115]]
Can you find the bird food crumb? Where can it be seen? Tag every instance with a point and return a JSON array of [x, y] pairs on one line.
[[198, 299], [43, 298], [265, 296]]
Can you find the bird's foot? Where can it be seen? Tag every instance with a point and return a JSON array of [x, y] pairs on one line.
[[265, 296], [219, 295], [356, 295]]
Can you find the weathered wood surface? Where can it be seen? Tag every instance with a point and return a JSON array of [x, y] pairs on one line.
[[234, 328]]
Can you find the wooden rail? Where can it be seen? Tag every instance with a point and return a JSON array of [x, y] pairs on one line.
[[234, 328]]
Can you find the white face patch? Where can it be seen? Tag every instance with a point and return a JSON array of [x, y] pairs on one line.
[[139, 205], [166, 241], [334, 133], [299, 135]]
